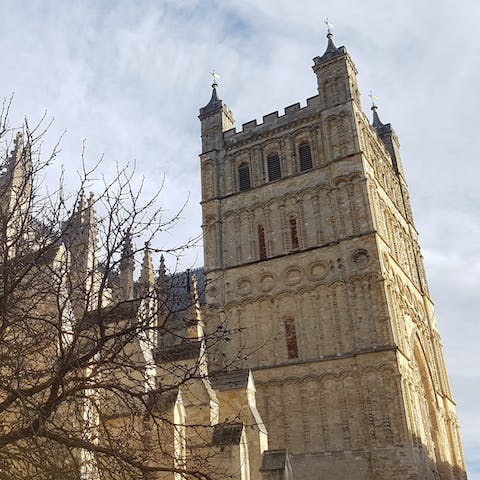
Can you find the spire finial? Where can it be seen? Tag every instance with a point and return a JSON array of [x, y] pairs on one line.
[[16, 154], [215, 78], [162, 273], [215, 104], [91, 199], [147, 275], [329, 28], [377, 123], [18, 139], [127, 250], [331, 48], [374, 98], [161, 268]]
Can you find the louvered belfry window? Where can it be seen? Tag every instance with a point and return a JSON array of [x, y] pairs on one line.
[[274, 168], [244, 177], [291, 337], [262, 247], [305, 155]]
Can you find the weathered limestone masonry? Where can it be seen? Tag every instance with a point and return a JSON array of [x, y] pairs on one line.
[[313, 261]]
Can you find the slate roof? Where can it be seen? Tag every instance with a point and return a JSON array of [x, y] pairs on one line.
[[227, 433], [274, 460], [179, 303], [230, 380], [331, 51], [162, 401], [182, 351], [180, 288], [214, 105]]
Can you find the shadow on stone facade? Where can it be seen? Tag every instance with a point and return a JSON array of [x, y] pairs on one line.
[[435, 468]]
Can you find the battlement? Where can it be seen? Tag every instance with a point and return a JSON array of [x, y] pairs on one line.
[[273, 120]]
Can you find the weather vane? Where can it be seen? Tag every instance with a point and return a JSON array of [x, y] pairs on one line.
[[329, 26], [215, 77], [374, 98]]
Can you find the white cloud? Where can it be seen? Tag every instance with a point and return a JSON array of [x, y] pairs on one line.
[[130, 77]]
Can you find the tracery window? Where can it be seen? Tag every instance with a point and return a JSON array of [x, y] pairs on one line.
[[274, 167], [262, 247], [291, 338], [305, 154], [244, 177]]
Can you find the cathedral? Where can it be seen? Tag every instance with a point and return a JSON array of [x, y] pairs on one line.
[[312, 258], [329, 364]]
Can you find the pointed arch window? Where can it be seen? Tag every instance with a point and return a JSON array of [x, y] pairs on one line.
[[274, 167], [262, 247], [305, 155], [244, 177], [291, 338], [294, 233]]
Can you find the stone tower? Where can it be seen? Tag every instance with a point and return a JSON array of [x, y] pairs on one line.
[[314, 266]]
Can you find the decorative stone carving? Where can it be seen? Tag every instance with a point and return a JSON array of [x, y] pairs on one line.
[[212, 292], [244, 286], [360, 259], [267, 282], [318, 270], [293, 275]]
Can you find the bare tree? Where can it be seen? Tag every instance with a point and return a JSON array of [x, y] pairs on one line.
[[85, 392]]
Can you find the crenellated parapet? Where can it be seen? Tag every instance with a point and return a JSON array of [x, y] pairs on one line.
[[272, 121]]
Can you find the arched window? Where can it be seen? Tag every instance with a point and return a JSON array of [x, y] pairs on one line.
[[294, 233], [305, 155], [291, 338], [244, 177], [262, 248], [273, 166]]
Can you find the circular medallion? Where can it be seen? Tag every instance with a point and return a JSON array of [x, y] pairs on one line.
[[244, 286], [360, 258], [267, 282], [293, 275], [212, 292], [318, 270]]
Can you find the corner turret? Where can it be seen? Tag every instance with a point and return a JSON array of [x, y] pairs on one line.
[[389, 138], [336, 75], [215, 118]]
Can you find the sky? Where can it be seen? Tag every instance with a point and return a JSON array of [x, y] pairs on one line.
[[128, 78]]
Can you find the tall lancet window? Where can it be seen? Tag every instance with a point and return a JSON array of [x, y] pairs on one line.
[[273, 166], [305, 155], [294, 233], [262, 247], [244, 177], [291, 338]]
